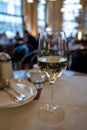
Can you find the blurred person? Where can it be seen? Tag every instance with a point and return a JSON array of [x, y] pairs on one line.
[[30, 40], [17, 37], [4, 39]]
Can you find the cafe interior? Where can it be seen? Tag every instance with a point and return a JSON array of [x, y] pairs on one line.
[[35, 16], [28, 99]]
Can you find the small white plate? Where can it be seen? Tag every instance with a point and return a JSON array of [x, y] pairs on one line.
[[21, 86]]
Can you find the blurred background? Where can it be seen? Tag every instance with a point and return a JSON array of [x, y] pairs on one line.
[[36, 15], [21, 22]]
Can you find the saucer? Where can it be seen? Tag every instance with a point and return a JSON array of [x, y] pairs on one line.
[[21, 86]]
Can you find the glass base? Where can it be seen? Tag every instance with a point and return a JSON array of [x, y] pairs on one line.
[[51, 114]]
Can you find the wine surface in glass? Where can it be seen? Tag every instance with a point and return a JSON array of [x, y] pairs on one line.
[[52, 66]]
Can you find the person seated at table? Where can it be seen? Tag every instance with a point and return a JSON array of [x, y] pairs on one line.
[[30, 40], [4, 39], [18, 38]]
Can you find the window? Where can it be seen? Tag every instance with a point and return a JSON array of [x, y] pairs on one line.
[[41, 16], [11, 17], [71, 10]]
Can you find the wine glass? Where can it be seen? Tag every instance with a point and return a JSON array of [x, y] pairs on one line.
[[52, 60]]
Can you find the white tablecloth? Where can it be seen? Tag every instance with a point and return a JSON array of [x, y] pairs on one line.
[[70, 92]]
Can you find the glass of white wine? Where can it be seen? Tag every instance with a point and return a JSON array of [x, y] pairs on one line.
[[52, 60]]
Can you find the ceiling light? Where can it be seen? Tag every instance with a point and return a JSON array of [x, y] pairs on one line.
[[30, 1], [52, 0], [43, 1]]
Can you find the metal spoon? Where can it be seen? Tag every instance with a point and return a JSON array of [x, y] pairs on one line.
[[5, 85]]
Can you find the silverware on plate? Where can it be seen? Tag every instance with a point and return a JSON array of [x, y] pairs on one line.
[[5, 85], [17, 98]]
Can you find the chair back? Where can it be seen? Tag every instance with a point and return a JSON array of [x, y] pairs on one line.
[[18, 53], [29, 60], [79, 61]]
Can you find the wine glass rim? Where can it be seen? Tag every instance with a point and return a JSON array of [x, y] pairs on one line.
[[53, 32]]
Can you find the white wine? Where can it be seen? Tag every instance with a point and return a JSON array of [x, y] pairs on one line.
[[52, 62], [52, 66]]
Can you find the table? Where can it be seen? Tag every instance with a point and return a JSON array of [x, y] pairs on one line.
[[76, 47], [75, 107]]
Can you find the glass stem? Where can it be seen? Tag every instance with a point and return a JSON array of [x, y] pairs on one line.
[[52, 94]]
